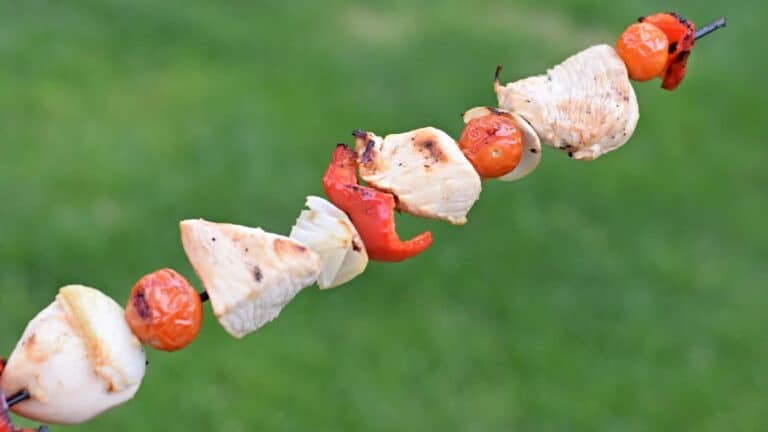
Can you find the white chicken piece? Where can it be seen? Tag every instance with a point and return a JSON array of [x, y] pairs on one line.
[[328, 231], [424, 169], [249, 274], [585, 106], [531, 155], [77, 358]]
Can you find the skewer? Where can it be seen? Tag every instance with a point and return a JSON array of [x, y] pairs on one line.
[[709, 28], [18, 397], [24, 394]]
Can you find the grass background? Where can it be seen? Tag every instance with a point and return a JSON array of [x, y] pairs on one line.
[[628, 294]]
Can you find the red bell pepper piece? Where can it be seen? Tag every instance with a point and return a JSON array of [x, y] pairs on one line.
[[676, 71], [681, 34], [371, 211]]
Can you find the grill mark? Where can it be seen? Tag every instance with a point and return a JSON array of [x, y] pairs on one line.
[[257, 274], [367, 155], [429, 147], [365, 193], [672, 47], [141, 305]]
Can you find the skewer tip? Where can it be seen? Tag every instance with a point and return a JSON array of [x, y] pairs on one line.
[[711, 27]]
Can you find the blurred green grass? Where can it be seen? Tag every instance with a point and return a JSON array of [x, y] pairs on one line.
[[626, 294]]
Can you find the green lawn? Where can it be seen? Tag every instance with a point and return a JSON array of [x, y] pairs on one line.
[[627, 294]]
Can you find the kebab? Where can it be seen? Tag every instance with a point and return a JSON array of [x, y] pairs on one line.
[[83, 354]]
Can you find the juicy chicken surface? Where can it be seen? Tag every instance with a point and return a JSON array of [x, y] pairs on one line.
[[585, 106], [249, 274], [424, 169]]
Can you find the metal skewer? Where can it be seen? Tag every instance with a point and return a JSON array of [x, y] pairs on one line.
[[709, 28], [18, 397]]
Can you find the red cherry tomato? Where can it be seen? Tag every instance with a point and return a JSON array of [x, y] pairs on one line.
[[493, 144], [644, 49], [164, 311]]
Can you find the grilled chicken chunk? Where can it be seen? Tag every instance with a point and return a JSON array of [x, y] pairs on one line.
[[77, 358], [585, 106], [424, 169], [249, 274]]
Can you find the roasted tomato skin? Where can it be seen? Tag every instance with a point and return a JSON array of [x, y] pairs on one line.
[[645, 50], [493, 144], [681, 33], [164, 311]]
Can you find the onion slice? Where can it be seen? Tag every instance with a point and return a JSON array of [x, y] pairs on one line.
[[327, 230]]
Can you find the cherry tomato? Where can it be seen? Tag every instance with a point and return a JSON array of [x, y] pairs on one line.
[[164, 311], [645, 50], [681, 34], [493, 144]]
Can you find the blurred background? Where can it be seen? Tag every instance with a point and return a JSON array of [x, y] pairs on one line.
[[625, 294]]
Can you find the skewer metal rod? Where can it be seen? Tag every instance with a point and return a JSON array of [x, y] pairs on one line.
[[21, 396], [18, 397], [709, 28]]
